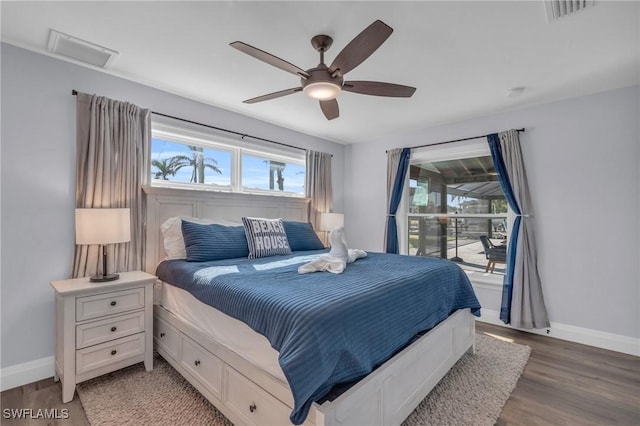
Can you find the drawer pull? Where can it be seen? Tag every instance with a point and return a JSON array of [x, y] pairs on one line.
[[113, 329], [197, 362], [113, 303], [253, 407], [113, 352], [161, 334]]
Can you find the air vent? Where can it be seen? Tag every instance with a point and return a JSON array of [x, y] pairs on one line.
[[558, 8], [80, 50]]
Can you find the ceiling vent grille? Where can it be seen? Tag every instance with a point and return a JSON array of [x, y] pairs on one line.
[[558, 8], [80, 50]]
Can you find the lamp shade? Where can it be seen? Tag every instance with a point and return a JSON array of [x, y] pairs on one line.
[[328, 221], [103, 226]]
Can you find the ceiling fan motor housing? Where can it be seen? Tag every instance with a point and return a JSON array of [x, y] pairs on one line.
[[321, 84]]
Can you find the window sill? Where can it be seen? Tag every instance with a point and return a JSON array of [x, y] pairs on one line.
[[220, 188], [189, 192], [485, 279]]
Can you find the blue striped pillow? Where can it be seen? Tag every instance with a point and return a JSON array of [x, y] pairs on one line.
[[301, 236], [265, 237], [204, 242]]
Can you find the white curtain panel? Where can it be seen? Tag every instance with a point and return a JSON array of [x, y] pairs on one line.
[[112, 164], [527, 302], [318, 186]]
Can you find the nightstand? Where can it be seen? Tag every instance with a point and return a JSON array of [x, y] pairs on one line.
[[102, 327]]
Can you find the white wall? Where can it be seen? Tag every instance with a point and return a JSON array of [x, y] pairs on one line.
[[38, 182], [582, 159]]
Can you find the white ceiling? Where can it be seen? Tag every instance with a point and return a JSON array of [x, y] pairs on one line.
[[463, 57]]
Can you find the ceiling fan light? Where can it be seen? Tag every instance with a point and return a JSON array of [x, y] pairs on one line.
[[322, 90]]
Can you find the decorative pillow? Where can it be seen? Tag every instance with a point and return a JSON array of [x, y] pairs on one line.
[[204, 242], [265, 237], [172, 234], [301, 236]]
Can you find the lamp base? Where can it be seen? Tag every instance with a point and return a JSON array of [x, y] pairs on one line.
[[456, 259], [104, 278]]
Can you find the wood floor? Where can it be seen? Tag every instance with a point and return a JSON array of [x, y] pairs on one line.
[[564, 383]]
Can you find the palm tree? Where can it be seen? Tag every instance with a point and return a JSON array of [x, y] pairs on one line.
[[199, 163], [276, 167], [166, 167]]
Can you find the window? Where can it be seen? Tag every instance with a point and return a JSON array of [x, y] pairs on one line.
[[452, 198], [178, 162], [283, 176], [192, 157]]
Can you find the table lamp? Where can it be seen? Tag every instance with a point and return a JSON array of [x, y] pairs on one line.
[[328, 221], [103, 226]]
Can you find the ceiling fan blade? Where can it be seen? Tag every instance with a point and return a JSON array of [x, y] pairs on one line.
[[330, 109], [269, 58], [361, 47], [378, 88], [273, 95]]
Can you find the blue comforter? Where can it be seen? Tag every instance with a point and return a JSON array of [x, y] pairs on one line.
[[328, 328]]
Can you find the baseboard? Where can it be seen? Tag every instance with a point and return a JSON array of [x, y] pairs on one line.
[[27, 372], [585, 336]]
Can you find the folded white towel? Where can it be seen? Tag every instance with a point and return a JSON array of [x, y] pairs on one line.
[[323, 263], [337, 259], [338, 244], [355, 254]]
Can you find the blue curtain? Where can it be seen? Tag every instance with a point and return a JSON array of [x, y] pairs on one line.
[[498, 163], [394, 201]]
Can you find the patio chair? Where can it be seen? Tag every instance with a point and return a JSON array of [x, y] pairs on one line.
[[494, 254]]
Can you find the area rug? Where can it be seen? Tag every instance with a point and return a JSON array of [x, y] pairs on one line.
[[472, 393]]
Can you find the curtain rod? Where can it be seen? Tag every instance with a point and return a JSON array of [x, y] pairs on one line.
[[455, 140], [243, 135]]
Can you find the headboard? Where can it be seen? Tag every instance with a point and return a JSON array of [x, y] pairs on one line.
[[163, 203]]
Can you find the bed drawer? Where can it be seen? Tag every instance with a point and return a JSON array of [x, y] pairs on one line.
[[95, 332], [204, 366], [112, 352], [167, 337], [252, 403], [109, 303]]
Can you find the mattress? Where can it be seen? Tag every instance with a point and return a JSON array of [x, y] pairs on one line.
[[233, 334]]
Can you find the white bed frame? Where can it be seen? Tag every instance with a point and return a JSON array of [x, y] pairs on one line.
[[246, 394]]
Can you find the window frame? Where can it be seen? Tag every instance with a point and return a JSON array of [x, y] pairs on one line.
[[194, 135], [477, 147], [268, 156]]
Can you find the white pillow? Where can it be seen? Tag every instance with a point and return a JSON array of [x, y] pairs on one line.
[[172, 234]]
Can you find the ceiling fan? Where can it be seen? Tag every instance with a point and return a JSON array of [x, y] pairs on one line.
[[326, 82]]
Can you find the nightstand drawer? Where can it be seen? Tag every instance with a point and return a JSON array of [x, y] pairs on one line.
[[94, 357], [167, 337], [202, 364], [109, 303], [95, 332]]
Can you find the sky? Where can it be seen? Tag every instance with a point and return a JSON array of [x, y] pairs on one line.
[[255, 170]]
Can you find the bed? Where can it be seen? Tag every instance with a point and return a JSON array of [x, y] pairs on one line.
[[222, 336]]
